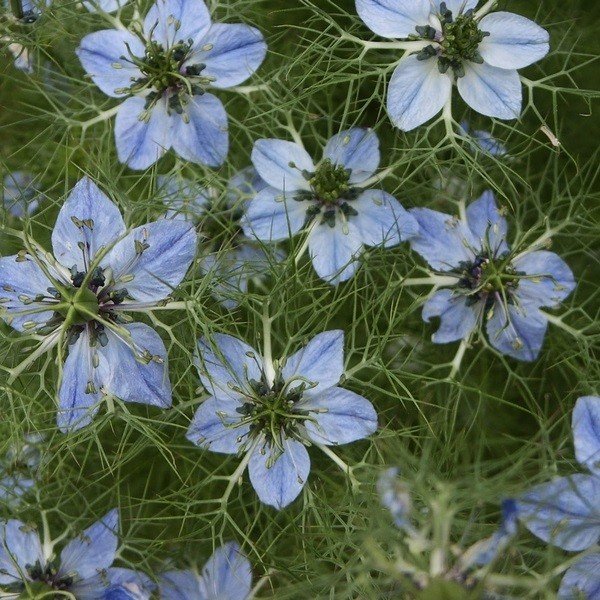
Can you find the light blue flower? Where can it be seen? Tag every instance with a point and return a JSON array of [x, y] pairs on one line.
[[19, 196], [164, 75], [332, 195], [269, 411], [454, 44], [83, 569], [226, 576], [17, 469], [227, 254], [483, 140], [81, 297], [503, 289], [566, 511]]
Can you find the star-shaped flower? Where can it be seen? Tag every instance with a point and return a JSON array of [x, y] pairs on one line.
[[80, 299], [452, 43], [164, 72]]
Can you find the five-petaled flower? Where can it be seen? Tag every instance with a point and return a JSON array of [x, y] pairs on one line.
[[566, 512], [488, 282], [164, 72], [270, 411], [331, 195], [227, 255], [227, 575], [29, 568], [451, 43], [81, 297]]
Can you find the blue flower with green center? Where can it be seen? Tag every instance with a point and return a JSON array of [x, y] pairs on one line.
[[486, 282], [451, 42], [30, 569], [332, 197], [566, 511], [268, 411], [225, 576], [164, 75], [80, 299]]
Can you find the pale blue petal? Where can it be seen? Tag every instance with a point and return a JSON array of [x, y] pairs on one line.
[[282, 163], [394, 495], [280, 483], [320, 362], [105, 57], [487, 224], [184, 198], [179, 585], [22, 280], [104, 5], [564, 512], [357, 150], [393, 18], [489, 144], [142, 140], [457, 318], [586, 432], [443, 241], [456, 6], [216, 427], [582, 580], [79, 395], [519, 334], [382, 220], [514, 41], [114, 584], [19, 546], [86, 202], [140, 373], [204, 139], [491, 91], [227, 362], [93, 550], [338, 416], [19, 195], [172, 21], [550, 282], [169, 248], [245, 184], [417, 92], [334, 251], [236, 51], [226, 575], [273, 216]]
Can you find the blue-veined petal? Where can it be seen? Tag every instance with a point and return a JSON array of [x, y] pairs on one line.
[[491, 91], [417, 92], [152, 260], [235, 53], [200, 134], [93, 550], [513, 42], [114, 583], [564, 512], [338, 416], [226, 575], [582, 580], [216, 426], [19, 547], [171, 21], [106, 59], [320, 362], [393, 18], [586, 432], [382, 220], [179, 585], [278, 475], [87, 217], [357, 150], [487, 224], [457, 317]]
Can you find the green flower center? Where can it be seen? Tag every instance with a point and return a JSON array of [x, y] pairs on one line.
[[461, 39], [80, 306], [330, 182]]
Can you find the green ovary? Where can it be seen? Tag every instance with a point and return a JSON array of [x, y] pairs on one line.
[[330, 182]]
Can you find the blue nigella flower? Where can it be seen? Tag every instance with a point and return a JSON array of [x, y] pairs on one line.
[[566, 511], [454, 44], [231, 257], [489, 283], [332, 195], [80, 298], [164, 74], [270, 412], [84, 568], [17, 469], [226, 576], [19, 196]]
